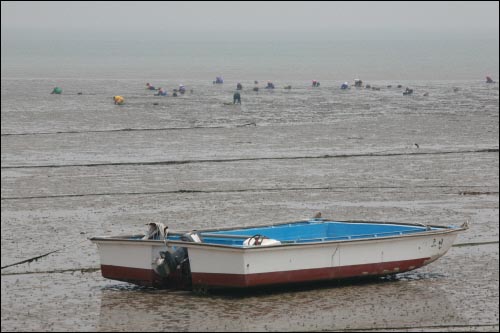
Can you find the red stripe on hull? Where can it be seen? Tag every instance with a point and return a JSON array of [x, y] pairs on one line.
[[139, 276], [147, 277], [305, 275], [144, 277]]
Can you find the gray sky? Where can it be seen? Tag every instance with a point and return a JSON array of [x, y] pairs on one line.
[[333, 19]]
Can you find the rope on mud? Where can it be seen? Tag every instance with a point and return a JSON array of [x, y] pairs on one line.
[[385, 329], [81, 270], [41, 256], [474, 244]]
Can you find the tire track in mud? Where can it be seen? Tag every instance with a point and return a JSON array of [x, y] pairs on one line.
[[327, 156], [325, 188], [129, 130]]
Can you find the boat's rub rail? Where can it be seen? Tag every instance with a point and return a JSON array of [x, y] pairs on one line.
[[323, 239], [315, 243], [312, 221], [303, 242]]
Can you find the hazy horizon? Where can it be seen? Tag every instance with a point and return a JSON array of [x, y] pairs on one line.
[[373, 40], [234, 21]]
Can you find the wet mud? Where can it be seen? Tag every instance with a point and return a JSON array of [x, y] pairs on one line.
[[77, 166]]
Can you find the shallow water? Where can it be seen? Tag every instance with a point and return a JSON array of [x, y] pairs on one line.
[[77, 166]]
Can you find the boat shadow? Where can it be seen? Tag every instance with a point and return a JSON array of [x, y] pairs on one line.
[[316, 285], [280, 288], [404, 300]]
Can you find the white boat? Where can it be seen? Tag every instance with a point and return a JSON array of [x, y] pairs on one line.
[[304, 251]]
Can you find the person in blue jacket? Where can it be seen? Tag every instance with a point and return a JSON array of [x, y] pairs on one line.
[[236, 98]]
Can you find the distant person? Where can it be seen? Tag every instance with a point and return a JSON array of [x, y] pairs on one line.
[[344, 86], [236, 98], [358, 83], [270, 85], [256, 86], [56, 90], [182, 89], [408, 91], [118, 100], [314, 83], [239, 86], [489, 80], [218, 80], [150, 87], [161, 92]]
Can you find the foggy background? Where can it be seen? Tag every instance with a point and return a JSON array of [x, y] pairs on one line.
[[250, 20]]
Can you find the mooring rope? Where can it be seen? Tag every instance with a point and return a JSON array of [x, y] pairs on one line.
[[41, 256]]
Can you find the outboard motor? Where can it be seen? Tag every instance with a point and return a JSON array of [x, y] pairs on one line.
[[169, 262]]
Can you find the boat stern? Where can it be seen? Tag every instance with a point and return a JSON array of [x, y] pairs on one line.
[[130, 260]]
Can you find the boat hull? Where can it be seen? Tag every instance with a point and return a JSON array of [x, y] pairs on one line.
[[218, 280], [214, 266]]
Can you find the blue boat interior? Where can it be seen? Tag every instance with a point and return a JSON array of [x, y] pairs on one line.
[[309, 231]]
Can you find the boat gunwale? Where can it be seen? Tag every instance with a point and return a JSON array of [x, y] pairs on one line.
[[180, 243]]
